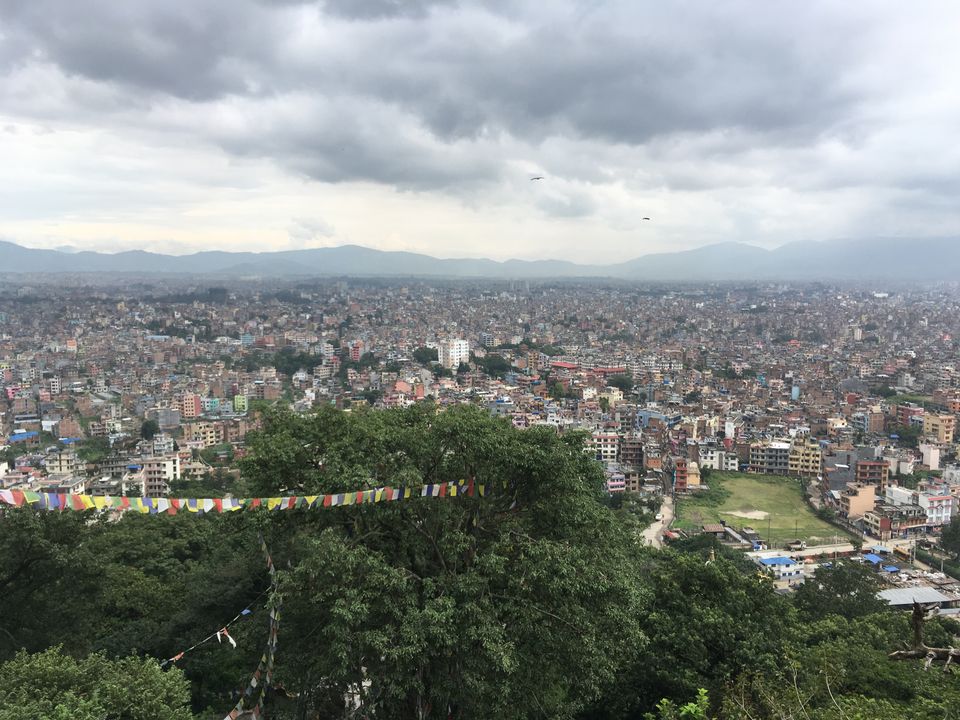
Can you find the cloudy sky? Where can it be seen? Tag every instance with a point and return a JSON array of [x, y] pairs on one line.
[[416, 124]]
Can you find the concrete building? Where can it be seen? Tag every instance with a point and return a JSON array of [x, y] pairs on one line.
[[856, 499], [770, 457], [872, 472], [805, 458], [907, 411], [931, 455], [939, 427], [158, 473], [605, 445], [453, 352], [676, 469], [64, 462]]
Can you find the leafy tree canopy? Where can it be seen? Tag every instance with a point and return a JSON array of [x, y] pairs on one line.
[[51, 685]]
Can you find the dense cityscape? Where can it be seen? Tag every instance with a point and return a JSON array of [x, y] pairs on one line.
[[146, 389], [472, 360]]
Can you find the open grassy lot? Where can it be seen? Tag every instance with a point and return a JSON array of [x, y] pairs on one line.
[[925, 401], [773, 506]]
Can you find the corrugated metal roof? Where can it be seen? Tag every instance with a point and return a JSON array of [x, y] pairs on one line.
[[907, 596], [777, 561]]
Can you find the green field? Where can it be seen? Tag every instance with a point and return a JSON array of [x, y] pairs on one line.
[[924, 400], [773, 506]]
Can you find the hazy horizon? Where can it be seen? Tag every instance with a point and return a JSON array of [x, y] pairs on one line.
[[251, 126]]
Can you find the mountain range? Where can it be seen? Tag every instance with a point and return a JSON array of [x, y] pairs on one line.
[[863, 259]]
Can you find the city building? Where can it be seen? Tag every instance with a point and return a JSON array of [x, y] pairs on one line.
[[453, 352]]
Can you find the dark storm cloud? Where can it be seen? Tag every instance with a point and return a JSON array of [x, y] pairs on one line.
[[196, 50], [437, 94], [373, 9]]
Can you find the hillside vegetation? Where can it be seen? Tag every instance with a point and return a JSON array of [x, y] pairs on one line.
[[533, 601]]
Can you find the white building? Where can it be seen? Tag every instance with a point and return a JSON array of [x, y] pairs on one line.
[[937, 502], [454, 352], [931, 455], [162, 444], [605, 446], [158, 473], [939, 505]]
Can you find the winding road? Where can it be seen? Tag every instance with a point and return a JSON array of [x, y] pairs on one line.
[[653, 535]]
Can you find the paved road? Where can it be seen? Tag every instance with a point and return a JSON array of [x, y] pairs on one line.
[[653, 535]]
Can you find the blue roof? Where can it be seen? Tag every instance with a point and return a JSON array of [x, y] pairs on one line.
[[17, 437], [875, 559], [777, 561], [891, 568], [880, 549]]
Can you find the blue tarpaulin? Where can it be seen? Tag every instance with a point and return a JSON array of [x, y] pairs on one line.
[[875, 559], [891, 568], [20, 437]]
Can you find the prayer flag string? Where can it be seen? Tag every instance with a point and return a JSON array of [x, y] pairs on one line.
[[265, 667], [201, 506]]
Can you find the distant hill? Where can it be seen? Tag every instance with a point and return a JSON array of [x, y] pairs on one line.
[[869, 259]]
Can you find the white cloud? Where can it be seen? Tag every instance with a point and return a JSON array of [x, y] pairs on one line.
[[417, 126]]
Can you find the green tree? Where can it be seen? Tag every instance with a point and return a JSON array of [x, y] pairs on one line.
[[950, 538], [494, 365], [148, 429], [372, 395], [522, 603], [425, 355], [847, 589], [696, 710], [556, 391], [54, 686], [707, 623], [93, 449], [622, 382]]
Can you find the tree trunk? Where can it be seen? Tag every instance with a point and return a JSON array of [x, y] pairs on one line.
[[919, 649]]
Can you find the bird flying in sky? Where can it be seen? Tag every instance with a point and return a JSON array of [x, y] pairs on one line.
[[537, 177], [646, 218]]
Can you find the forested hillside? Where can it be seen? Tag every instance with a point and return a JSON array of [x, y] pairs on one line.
[[534, 600]]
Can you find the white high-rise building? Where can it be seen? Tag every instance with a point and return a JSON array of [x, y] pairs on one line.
[[454, 352]]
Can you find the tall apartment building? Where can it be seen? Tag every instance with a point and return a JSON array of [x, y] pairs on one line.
[[631, 450], [872, 472], [158, 473], [676, 469], [203, 433], [64, 462], [454, 352], [191, 405], [605, 445], [939, 427], [770, 457], [805, 458]]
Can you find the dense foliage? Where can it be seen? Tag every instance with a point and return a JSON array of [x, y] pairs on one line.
[[535, 601]]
